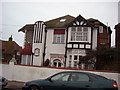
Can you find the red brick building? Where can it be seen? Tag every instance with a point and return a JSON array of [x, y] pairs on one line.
[[117, 33], [103, 34], [9, 49]]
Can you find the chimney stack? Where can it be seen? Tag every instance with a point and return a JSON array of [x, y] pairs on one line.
[[10, 38]]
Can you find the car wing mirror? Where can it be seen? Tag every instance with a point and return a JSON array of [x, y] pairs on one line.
[[50, 80]]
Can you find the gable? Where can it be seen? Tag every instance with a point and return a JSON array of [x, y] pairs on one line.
[[96, 23], [79, 21]]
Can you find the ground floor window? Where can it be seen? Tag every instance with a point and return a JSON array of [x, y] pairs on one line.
[[57, 60], [74, 61], [57, 63]]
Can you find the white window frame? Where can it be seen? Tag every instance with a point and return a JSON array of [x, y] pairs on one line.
[[59, 38], [72, 62], [77, 34], [100, 29]]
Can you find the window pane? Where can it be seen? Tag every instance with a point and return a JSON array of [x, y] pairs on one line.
[[59, 38], [75, 64], [79, 29], [61, 77], [75, 57], [72, 36], [79, 34], [70, 57], [85, 28], [79, 77], [73, 29], [62, 38]]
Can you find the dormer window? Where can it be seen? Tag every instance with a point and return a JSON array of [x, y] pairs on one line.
[[62, 20]]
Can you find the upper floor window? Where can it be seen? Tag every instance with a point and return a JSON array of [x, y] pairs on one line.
[[100, 29], [79, 34], [59, 36]]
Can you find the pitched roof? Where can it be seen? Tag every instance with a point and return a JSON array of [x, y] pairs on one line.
[[60, 22], [94, 22], [63, 22], [9, 47], [27, 50], [27, 27], [97, 23], [117, 26]]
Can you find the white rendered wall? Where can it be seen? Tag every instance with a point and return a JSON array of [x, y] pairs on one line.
[[52, 48], [38, 60], [94, 45]]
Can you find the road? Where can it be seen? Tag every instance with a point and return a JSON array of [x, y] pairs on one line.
[[13, 85]]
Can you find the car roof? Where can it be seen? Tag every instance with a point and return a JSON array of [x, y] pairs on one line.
[[88, 73], [76, 72]]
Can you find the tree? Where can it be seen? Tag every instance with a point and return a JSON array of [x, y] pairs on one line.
[[107, 58], [89, 59], [103, 58]]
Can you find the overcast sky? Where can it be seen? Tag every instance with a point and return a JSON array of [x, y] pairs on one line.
[[16, 14]]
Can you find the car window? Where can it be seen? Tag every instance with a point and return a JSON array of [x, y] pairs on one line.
[[61, 77], [79, 77]]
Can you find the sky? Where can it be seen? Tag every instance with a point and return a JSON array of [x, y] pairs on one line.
[[16, 14]]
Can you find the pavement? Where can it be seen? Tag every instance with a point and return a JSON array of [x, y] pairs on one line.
[[14, 85]]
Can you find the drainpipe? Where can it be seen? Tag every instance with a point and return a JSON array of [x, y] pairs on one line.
[[66, 47]]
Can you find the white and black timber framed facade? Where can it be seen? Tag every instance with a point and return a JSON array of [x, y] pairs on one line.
[[78, 40]]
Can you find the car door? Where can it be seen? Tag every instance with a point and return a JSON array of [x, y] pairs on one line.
[[58, 82], [79, 81]]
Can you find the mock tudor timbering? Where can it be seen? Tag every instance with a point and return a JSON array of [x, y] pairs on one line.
[[64, 40]]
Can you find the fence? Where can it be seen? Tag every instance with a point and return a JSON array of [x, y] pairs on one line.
[[24, 73]]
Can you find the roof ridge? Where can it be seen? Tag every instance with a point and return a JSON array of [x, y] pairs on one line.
[[59, 18]]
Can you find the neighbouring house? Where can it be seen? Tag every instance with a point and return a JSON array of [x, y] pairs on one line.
[[28, 30], [117, 36], [103, 34], [63, 41], [27, 54], [9, 50]]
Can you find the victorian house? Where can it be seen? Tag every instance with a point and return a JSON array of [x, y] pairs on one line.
[[64, 40]]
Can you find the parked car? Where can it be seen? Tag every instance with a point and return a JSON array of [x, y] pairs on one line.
[[72, 80], [3, 81]]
